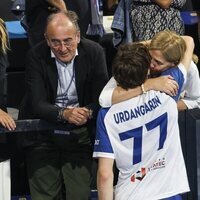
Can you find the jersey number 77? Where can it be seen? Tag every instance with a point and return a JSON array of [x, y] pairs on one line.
[[137, 135]]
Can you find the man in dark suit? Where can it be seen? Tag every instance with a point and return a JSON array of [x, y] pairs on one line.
[[65, 75]]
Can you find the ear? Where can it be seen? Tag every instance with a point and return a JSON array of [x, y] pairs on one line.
[[78, 37], [45, 36]]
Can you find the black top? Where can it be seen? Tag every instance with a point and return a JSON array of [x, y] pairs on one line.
[[5, 151], [37, 11], [3, 89]]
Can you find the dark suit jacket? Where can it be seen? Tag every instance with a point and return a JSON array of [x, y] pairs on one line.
[[42, 80]]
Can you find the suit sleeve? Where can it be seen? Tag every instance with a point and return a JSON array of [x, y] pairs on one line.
[[38, 89], [96, 79]]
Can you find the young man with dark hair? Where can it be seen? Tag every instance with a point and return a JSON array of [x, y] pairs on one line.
[[141, 135]]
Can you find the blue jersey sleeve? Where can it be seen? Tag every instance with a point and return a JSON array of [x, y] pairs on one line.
[[102, 142], [178, 76]]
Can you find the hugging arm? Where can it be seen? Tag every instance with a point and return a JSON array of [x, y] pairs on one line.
[[190, 97], [113, 94], [187, 58]]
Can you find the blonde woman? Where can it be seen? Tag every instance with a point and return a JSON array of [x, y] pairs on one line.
[[5, 119], [170, 53]]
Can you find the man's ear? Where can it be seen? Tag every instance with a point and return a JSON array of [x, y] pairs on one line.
[[45, 36], [78, 37]]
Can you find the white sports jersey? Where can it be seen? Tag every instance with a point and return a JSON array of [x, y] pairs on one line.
[[142, 135]]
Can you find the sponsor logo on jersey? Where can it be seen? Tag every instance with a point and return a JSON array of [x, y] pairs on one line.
[[158, 164], [140, 174]]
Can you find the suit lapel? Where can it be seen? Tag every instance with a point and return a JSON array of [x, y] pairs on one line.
[[52, 75], [80, 72]]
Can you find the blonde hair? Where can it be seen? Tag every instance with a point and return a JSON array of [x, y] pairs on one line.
[[4, 41], [171, 45], [195, 58]]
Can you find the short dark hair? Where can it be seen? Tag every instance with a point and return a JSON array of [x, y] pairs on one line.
[[131, 64]]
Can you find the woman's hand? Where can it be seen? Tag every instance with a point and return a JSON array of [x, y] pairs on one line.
[[7, 121]]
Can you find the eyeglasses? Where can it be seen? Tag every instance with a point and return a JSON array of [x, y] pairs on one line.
[[57, 43], [68, 42]]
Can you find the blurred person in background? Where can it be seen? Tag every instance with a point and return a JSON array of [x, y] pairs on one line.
[[5, 119], [37, 11]]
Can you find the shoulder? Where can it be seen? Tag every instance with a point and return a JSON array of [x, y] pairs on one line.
[[162, 101], [39, 50], [182, 68], [89, 45], [178, 73], [102, 112], [88, 49], [158, 94], [193, 68]]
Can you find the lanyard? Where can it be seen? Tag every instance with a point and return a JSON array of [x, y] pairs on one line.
[[63, 93]]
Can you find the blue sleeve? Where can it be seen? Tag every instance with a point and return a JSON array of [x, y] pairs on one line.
[[176, 73], [102, 141]]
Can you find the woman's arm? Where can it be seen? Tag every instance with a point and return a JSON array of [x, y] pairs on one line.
[[7, 121], [188, 103], [187, 58], [191, 95]]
